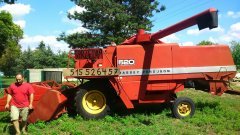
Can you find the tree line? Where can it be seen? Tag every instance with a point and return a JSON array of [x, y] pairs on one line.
[[16, 61]]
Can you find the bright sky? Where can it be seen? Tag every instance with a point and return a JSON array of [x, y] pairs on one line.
[[44, 20]]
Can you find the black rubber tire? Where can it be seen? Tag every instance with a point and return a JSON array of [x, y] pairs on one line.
[[83, 111], [184, 101]]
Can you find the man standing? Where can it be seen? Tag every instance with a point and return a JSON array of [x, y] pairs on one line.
[[21, 96]]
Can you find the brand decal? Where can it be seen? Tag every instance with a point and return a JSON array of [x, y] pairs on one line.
[[156, 71], [126, 62]]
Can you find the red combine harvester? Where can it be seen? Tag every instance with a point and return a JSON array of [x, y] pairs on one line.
[[141, 70]]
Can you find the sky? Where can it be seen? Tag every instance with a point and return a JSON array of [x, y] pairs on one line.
[[45, 20]]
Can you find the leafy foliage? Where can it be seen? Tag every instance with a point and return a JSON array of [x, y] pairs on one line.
[[10, 33], [205, 42], [10, 50], [14, 61], [110, 21], [8, 62], [42, 57], [62, 60], [236, 53], [26, 60]]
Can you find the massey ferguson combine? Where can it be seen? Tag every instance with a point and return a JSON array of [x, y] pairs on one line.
[[141, 70]]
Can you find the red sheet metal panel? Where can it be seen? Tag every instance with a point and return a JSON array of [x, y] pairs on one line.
[[49, 106], [191, 62], [3, 101]]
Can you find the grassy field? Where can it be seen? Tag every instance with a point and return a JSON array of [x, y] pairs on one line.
[[213, 115], [5, 82]]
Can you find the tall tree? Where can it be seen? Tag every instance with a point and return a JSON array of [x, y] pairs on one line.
[[8, 61], [62, 60], [44, 57], [10, 50], [10, 33], [235, 46], [26, 60], [110, 21]]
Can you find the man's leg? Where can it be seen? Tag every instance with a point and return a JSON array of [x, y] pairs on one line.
[[24, 115], [14, 118], [16, 126], [24, 125]]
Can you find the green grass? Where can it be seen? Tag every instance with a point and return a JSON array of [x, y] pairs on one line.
[[5, 82], [213, 115]]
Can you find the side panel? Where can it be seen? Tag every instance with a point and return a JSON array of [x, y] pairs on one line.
[[191, 62], [144, 67], [45, 109]]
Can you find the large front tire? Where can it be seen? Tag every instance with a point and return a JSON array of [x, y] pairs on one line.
[[183, 107], [91, 104]]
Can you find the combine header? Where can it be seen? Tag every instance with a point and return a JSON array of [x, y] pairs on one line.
[[142, 70]]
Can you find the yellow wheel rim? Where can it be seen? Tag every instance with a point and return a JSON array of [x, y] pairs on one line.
[[184, 109], [94, 102]]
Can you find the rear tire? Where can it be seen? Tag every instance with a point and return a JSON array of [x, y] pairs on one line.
[[183, 107], [91, 104]]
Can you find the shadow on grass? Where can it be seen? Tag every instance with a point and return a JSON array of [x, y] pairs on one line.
[[5, 119], [8, 128], [146, 109], [201, 105], [233, 92]]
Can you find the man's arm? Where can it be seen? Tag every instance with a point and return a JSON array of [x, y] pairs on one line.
[[31, 101], [9, 97]]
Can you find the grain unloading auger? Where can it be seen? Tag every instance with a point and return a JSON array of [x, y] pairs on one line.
[[205, 19], [141, 70]]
